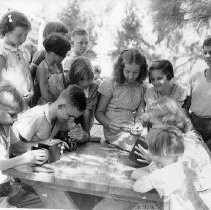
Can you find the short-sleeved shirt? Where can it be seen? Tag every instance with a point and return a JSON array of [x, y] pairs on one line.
[[124, 101], [5, 133], [197, 156], [200, 91], [170, 182], [17, 68], [34, 125], [178, 93]]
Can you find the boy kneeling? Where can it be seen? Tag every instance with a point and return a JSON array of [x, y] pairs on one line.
[[43, 122]]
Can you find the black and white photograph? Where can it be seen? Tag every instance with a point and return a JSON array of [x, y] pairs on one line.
[[105, 104]]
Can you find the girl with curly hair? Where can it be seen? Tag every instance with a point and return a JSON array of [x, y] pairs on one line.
[[121, 99]]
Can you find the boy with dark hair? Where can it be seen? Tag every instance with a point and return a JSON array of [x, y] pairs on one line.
[[43, 122]]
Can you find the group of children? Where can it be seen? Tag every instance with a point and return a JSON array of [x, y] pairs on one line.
[[56, 96]]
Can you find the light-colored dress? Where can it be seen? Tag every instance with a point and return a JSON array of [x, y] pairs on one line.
[[178, 93], [55, 82], [174, 185], [197, 156], [124, 101], [17, 68]]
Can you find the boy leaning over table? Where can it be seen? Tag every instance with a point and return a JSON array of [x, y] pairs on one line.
[[11, 103], [43, 122]]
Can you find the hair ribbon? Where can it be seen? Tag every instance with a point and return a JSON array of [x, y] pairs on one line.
[[10, 18]]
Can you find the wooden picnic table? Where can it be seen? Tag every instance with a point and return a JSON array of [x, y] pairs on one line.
[[95, 169]]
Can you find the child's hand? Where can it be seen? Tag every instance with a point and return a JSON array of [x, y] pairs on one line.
[[145, 117], [137, 129], [76, 132], [36, 156], [27, 96], [143, 153]]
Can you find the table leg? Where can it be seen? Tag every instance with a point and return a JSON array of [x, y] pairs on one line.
[[55, 199], [110, 203]]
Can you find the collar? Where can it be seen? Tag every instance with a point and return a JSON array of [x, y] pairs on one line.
[[11, 48]]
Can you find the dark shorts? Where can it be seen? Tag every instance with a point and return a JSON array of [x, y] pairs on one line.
[[5, 189], [202, 125]]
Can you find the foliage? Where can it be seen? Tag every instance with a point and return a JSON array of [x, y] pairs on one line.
[[172, 20], [73, 17], [130, 33], [169, 15]]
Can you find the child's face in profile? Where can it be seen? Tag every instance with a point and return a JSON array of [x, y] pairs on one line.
[[159, 80], [207, 55], [67, 113], [131, 72], [17, 37], [80, 44], [161, 162], [7, 115]]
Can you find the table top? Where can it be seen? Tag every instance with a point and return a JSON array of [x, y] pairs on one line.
[[94, 168]]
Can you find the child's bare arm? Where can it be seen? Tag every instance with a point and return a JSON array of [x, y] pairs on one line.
[[140, 172], [142, 185], [86, 119], [34, 156], [140, 111], [42, 76], [100, 114], [2, 65], [78, 133]]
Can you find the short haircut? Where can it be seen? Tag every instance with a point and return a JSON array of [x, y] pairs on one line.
[[54, 27], [207, 41], [80, 68], [7, 88], [163, 65], [13, 19], [168, 112], [130, 56], [74, 96], [57, 43], [165, 141], [79, 31]]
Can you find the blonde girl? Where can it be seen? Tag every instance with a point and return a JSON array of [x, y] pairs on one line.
[[166, 147]]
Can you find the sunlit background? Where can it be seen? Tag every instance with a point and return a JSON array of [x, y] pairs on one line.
[[108, 22]]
